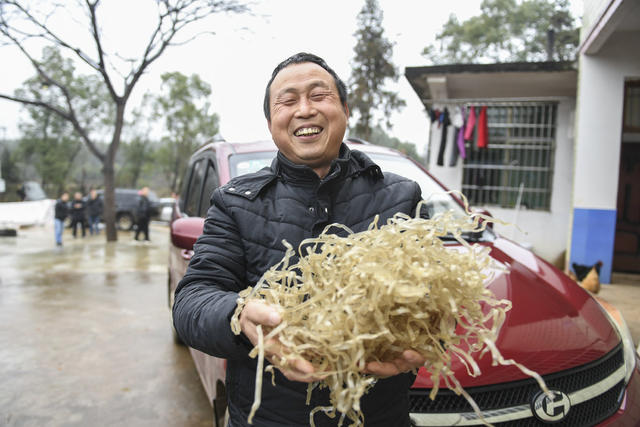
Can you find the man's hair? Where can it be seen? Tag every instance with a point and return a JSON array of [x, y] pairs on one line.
[[300, 58]]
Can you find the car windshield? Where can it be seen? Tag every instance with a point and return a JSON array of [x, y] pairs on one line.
[[437, 200]]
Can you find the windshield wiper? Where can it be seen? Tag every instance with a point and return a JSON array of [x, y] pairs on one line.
[[468, 236]]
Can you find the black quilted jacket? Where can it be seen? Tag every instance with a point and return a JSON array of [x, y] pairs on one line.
[[248, 219]]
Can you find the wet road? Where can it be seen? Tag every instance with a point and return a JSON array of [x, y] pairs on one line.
[[85, 335]]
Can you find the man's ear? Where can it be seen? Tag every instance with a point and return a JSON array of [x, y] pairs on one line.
[[269, 125], [346, 109]]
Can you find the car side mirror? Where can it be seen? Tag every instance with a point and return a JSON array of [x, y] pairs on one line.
[[185, 231]]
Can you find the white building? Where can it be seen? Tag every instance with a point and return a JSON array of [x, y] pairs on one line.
[[605, 224], [563, 155], [524, 175]]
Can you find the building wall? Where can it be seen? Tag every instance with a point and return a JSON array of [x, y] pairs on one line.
[[597, 154], [545, 232]]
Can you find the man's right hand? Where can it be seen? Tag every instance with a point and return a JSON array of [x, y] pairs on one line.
[[259, 313]]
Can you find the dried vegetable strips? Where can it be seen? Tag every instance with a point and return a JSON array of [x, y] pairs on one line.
[[371, 295]]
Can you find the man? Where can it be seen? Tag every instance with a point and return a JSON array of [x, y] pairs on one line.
[[314, 181], [143, 214], [61, 212], [94, 209], [78, 214]]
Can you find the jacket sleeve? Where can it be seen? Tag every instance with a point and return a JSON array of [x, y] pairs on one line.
[[205, 298]]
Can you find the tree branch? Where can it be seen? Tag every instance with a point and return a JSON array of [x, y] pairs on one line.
[[64, 114], [102, 68], [49, 35]]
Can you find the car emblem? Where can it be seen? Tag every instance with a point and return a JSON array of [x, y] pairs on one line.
[[550, 410]]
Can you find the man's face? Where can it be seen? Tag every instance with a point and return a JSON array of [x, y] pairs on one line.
[[307, 119]]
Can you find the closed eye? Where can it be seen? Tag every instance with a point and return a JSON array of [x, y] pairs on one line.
[[319, 96]]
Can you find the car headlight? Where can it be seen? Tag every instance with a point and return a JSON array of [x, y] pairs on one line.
[[627, 343]]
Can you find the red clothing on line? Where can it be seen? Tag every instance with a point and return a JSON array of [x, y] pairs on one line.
[[483, 131]]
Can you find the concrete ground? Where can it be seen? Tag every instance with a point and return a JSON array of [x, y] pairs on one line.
[[85, 337], [624, 294]]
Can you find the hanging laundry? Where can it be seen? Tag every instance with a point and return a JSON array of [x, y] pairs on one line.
[[460, 143], [460, 135], [483, 131], [441, 116], [434, 115], [457, 117], [453, 158], [471, 122], [443, 136]]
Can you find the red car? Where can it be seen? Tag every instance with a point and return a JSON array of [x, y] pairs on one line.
[[579, 344]]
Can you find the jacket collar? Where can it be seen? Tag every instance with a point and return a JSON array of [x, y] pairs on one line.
[[347, 163]]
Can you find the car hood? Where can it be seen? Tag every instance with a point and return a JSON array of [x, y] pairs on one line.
[[553, 324]]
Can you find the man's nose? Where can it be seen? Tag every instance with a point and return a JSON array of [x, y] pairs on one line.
[[305, 108]]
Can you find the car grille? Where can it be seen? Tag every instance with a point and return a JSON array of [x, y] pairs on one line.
[[520, 393]]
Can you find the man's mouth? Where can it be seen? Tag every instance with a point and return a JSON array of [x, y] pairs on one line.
[[308, 131]]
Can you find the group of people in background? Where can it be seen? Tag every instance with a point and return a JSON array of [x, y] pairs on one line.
[[84, 213], [87, 212]]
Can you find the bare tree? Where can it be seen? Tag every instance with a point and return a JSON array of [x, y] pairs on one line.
[[28, 26]]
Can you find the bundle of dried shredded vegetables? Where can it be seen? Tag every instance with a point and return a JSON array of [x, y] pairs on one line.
[[371, 295]]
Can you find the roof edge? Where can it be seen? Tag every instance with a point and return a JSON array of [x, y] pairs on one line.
[[548, 66]]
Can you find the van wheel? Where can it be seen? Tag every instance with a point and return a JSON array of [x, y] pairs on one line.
[[124, 221], [220, 410]]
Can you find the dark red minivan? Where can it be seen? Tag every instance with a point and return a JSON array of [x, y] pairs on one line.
[[579, 344]]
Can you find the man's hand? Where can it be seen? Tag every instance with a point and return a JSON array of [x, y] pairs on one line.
[[409, 360], [258, 313]]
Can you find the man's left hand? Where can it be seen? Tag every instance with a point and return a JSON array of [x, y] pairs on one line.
[[408, 361]]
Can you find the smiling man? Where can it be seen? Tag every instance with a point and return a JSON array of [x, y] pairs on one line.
[[315, 180]]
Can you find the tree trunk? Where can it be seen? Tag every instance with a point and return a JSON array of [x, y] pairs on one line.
[[110, 175], [109, 201]]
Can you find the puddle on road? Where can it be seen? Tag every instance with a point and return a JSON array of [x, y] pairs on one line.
[[33, 253], [90, 331]]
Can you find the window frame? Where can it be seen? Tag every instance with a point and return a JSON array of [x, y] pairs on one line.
[[207, 161], [190, 191], [205, 198], [635, 83], [517, 167]]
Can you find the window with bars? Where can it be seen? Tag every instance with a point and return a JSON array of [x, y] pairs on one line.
[[517, 165]]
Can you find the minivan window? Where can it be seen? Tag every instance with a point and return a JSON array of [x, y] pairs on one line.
[[195, 187], [240, 164], [211, 183]]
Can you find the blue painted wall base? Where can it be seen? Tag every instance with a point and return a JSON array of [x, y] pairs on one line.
[[592, 239]]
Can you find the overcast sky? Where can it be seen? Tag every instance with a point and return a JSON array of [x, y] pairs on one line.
[[239, 59]]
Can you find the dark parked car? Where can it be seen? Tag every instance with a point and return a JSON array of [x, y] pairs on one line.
[[126, 203], [578, 343]]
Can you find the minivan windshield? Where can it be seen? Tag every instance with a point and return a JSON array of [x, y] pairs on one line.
[[438, 201]]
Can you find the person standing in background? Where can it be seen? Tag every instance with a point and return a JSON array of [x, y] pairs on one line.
[[143, 214], [94, 209], [78, 214], [61, 212]]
